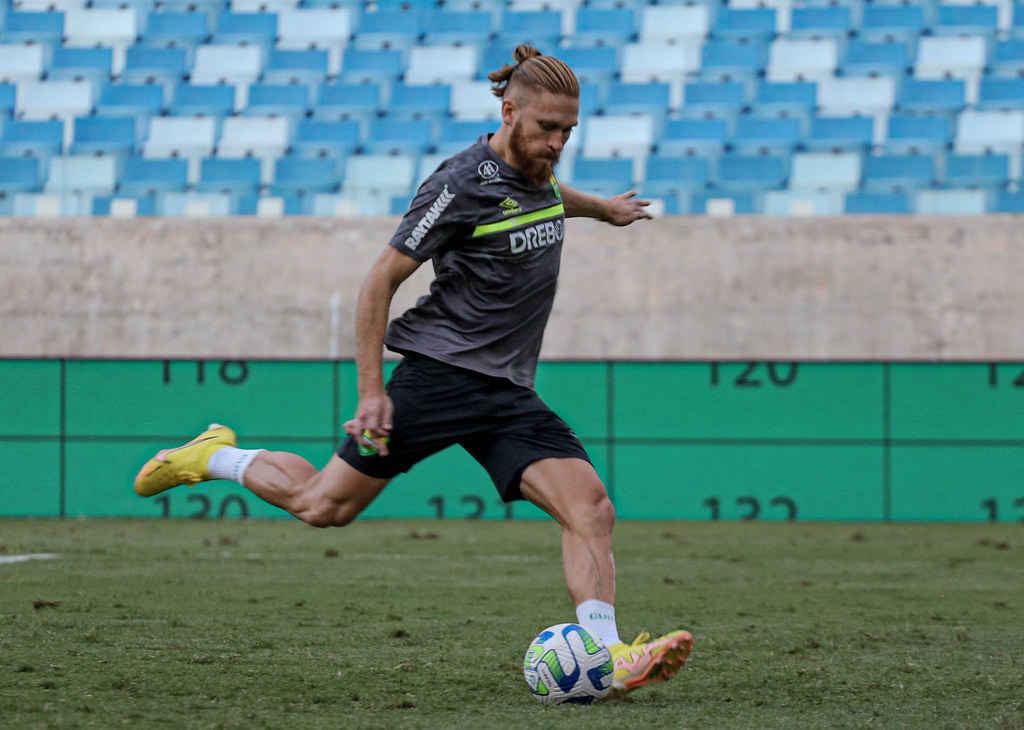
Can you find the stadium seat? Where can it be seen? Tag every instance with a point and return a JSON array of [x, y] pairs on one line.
[[32, 138], [982, 132], [473, 101], [668, 177], [263, 137], [170, 29], [297, 66], [1016, 29], [603, 26], [722, 203], [1007, 58], [746, 173], [1001, 94], [785, 98], [802, 202], [802, 59], [134, 100], [235, 176], [421, 102], [754, 24], [76, 64], [951, 57], [361, 65], [441, 64], [730, 60], [956, 19], [388, 30], [825, 171], [890, 173], [602, 176], [892, 22], [840, 134], [143, 177], [48, 99], [976, 171], [650, 98], [692, 137], [598, 65], [273, 6], [104, 136], [378, 176], [203, 100], [319, 138], [43, 28], [713, 98], [347, 101], [305, 176], [246, 29], [188, 137], [670, 24], [19, 175], [145, 65], [456, 135], [877, 203], [123, 205], [411, 137], [672, 64], [113, 28], [290, 101], [618, 136], [21, 62], [443, 27], [195, 204], [221, 64], [8, 93], [933, 96], [329, 29], [1009, 202], [820, 21], [886, 58], [950, 202], [81, 175], [856, 95], [541, 29], [766, 135], [926, 135]]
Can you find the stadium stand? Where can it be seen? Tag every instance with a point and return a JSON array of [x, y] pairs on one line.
[[189, 107]]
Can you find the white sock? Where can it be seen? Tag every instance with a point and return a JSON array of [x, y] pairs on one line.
[[599, 617], [231, 463]]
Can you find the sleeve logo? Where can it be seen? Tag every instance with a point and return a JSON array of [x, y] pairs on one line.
[[429, 218]]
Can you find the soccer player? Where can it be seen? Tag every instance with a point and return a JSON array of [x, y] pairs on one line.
[[491, 220]]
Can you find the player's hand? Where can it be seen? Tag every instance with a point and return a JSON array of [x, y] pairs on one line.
[[373, 414], [624, 208]]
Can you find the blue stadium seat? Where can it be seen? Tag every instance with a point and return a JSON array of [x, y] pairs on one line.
[[840, 134], [541, 29], [398, 137], [1001, 93], [81, 175], [766, 135], [828, 172], [595, 65], [455, 135], [305, 176], [319, 138], [235, 176], [730, 60], [143, 205], [785, 98], [420, 102], [203, 100], [892, 22], [746, 173], [1016, 29], [1009, 202], [930, 96], [278, 100], [19, 175], [1007, 59], [877, 203], [650, 98], [27, 26], [741, 203], [885, 58], [692, 137], [918, 134], [820, 21], [603, 26], [8, 96], [142, 177], [748, 24], [258, 29], [308, 66], [603, 177], [146, 65], [176, 30], [31, 138], [137, 100], [347, 101], [361, 65], [977, 171], [713, 98], [897, 173], [455, 28], [667, 176], [73, 64], [385, 29], [104, 136], [965, 20]]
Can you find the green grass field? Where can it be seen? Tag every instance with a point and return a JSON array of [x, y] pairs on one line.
[[214, 624]]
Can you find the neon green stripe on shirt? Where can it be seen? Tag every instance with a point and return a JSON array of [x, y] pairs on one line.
[[519, 220]]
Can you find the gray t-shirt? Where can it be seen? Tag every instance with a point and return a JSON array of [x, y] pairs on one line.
[[495, 241]]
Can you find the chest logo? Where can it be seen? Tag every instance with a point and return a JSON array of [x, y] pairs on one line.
[[487, 169], [509, 207]]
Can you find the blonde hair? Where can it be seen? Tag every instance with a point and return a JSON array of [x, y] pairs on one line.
[[533, 70]]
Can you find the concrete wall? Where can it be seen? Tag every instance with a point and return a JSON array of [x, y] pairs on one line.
[[676, 288]]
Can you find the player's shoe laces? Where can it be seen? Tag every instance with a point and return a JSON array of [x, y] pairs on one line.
[[645, 662], [183, 464]]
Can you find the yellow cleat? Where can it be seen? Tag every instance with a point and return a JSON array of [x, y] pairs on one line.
[[183, 464], [645, 662]]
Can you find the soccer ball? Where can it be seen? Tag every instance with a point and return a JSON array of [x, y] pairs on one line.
[[567, 664]]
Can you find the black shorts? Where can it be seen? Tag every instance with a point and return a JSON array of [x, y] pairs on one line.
[[504, 426]]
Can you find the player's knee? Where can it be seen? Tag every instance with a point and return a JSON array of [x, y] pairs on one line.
[[329, 514]]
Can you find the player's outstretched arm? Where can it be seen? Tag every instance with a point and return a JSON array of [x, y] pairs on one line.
[[619, 210]]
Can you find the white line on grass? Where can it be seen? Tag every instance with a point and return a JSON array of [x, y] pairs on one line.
[[25, 558]]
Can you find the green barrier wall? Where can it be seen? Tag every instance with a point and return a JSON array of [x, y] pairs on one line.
[[673, 440]]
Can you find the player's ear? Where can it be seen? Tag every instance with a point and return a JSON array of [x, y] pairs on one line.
[[508, 110]]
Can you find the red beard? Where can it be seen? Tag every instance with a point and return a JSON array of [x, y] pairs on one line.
[[535, 168]]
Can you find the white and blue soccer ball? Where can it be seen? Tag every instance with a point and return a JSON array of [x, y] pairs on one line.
[[567, 664]]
